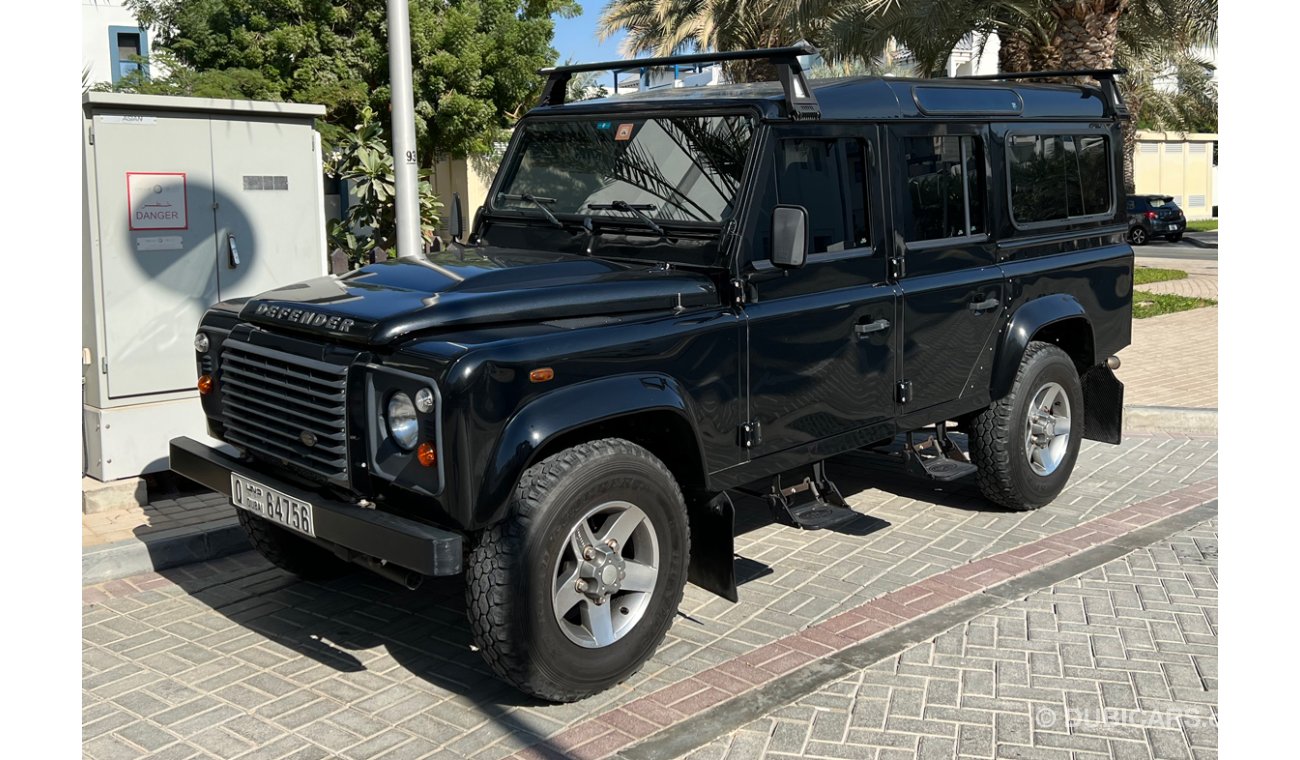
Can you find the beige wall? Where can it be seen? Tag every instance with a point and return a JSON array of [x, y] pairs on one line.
[[1178, 164], [465, 176]]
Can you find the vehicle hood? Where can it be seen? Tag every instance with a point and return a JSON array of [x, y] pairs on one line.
[[387, 301]]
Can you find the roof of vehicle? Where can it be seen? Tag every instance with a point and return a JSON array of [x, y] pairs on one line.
[[868, 97]]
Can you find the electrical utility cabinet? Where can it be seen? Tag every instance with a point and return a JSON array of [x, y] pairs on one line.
[[186, 202]]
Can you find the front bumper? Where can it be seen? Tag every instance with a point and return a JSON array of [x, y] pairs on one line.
[[400, 541]]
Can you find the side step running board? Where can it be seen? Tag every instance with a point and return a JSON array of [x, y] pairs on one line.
[[820, 506], [936, 458]]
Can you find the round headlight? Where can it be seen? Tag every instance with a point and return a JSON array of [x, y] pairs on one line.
[[402, 423], [201, 343]]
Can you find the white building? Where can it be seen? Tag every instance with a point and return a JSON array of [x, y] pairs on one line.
[[691, 75], [111, 39], [973, 55]]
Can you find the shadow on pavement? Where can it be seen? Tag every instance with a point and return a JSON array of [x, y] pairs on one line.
[[340, 623]]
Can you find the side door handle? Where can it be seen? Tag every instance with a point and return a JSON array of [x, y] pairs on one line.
[[866, 328], [988, 303], [234, 252]]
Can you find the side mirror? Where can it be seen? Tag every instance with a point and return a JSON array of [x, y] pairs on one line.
[[789, 236], [457, 223]]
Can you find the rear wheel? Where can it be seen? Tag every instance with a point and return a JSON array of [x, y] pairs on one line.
[[1025, 444], [1138, 235], [289, 552], [576, 588], [1174, 238]]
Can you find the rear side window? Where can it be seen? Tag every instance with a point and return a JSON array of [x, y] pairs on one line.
[[945, 187], [1058, 177]]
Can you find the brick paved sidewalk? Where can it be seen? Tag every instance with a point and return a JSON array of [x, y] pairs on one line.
[[1202, 279], [1173, 360], [233, 658], [1119, 662], [159, 518]]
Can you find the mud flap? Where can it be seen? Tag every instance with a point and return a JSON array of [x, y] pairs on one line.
[[1103, 405], [713, 546]]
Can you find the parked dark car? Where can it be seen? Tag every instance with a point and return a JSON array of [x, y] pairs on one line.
[[668, 296], [1152, 216]]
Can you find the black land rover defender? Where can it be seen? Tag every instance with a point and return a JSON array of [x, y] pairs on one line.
[[667, 296]]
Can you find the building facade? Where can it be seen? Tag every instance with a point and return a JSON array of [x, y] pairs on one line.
[[1181, 165], [113, 44]]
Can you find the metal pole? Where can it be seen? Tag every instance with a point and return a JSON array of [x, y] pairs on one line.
[[405, 160]]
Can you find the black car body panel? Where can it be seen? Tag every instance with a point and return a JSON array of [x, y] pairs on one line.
[[391, 300], [693, 343]]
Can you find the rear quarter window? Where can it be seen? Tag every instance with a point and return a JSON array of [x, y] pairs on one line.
[[1058, 178]]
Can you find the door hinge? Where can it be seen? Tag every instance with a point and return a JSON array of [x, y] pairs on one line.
[[92, 135], [904, 392], [897, 268], [751, 434], [103, 363]]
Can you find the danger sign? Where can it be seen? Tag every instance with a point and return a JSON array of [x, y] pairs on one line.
[[157, 200]]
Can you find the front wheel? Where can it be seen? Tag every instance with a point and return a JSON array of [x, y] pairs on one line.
[[576, 588], [1025, 445]]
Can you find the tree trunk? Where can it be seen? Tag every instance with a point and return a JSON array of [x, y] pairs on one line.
[[1087, 32], [1086, 37], [1015, 53]]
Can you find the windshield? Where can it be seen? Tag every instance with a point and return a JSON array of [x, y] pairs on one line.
[[678, 169]]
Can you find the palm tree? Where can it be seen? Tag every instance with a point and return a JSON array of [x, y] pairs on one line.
[[1156, 39], [1159, 42], [842, 30]]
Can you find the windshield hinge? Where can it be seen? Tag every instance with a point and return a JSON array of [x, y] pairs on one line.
[[738, 292]]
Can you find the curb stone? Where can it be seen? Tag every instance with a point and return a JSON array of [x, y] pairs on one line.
[[133, 556], [1171, 419]]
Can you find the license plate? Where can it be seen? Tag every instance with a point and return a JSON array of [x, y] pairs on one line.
[[267, 502], [1173, 226]]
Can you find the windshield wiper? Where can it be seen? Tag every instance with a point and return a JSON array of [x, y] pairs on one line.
[[638, 210], [538, 202]]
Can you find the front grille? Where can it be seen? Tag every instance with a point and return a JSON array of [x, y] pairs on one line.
[[274, 403]]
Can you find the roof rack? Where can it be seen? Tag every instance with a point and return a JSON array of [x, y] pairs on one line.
[[1104, 77], [803, 104]]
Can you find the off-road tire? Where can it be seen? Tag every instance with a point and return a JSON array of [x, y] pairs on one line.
[[510, 612], [997, 437], [289, 552]]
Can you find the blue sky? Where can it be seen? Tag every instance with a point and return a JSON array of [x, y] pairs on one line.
[[576, 37]]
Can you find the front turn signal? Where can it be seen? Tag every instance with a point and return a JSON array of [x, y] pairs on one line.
[[427, 454], [205, 384]]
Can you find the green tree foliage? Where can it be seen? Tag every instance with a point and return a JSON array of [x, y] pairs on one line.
[[363, 159], [474, 61]]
